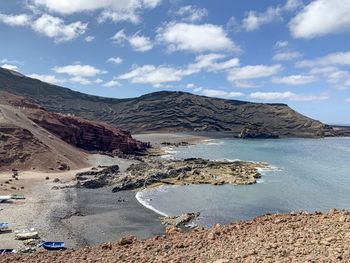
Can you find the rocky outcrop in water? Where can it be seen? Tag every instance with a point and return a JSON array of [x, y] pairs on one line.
[[188, 171]]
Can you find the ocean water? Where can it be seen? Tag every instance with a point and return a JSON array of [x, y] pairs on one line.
[[305, 174]]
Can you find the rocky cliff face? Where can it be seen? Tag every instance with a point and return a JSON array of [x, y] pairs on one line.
[[27, 130], [171, 111], [87, 135]]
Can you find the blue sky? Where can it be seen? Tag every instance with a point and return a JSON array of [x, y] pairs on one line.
[[291, 51]]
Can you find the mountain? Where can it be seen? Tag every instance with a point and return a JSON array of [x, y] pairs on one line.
[[31, 137], [167, 111]]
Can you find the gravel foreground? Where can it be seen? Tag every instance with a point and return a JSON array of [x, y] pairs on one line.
[[294, 237]]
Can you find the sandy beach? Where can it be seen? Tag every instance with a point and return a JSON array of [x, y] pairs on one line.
[[79, 216], [76, 216]]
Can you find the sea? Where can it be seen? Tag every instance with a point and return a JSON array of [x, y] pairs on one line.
[[303, 175]]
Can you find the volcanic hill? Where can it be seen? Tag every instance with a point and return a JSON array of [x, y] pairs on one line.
[[167, 111], [31, 137]]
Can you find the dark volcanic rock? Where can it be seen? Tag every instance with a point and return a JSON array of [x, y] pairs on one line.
[[257, 133], [188, 171], [97, 179], [169, 111]]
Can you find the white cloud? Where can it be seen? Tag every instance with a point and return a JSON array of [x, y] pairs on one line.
[[253, 72], [116, 60], [254, 20], [338, 78], [210, 63], [295, 80], [48, 25], [192, 13], [55, 27], [81, 80], [115, 10], [190, 86], [140, 43], [79, 70], [47, 78], [156, 75], [221, 93], [287, 95], [281, 44], [333, 59], [10, 67], [233, 25], [150, 74], [320, 18], [286, 55], [89, 38], [292, 5], [112, 83], [347, 100], [15, 20], [195, 38], [137, 42]]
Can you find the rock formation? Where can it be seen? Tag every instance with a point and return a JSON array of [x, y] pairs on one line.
[[188, 171]]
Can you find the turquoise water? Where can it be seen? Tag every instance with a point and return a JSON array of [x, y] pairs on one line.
[[307, 174]]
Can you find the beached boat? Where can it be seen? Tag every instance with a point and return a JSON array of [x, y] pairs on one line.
[[4, 226], [4, 251], [24, 235], [17, 197], [53, 245], [4, 198]]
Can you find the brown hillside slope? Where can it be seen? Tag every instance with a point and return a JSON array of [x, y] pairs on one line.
[[32, 137], [298, 237], [24, 145]]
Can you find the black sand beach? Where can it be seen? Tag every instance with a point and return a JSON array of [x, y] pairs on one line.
[[100, 216]]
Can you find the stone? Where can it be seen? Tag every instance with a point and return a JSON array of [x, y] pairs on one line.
[[128, 240]]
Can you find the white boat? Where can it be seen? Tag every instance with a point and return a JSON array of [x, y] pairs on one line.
[[4, 198], [26, 233]]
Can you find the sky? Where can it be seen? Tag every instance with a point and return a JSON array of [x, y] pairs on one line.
[[288, 51]]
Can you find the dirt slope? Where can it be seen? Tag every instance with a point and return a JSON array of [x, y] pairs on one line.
[[24, 145], [31, 137], [275, 238]]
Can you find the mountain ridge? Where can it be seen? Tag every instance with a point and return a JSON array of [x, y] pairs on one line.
[[171, 111]]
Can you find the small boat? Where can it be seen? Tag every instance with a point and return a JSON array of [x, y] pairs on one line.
[[4, 226], [24, 235], [17, 197], [4, 198], [53, 245], [4, 251]]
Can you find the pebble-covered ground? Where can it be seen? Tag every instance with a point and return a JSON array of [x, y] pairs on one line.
[[294, 237]]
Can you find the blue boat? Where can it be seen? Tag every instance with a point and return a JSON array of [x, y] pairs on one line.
[[4, 226], [53, 245], [4, 251]]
